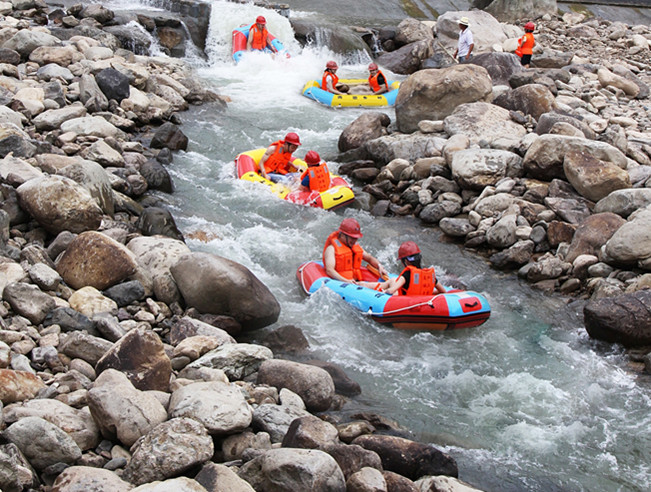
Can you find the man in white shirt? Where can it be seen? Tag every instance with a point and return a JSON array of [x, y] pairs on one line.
[[466, 42]]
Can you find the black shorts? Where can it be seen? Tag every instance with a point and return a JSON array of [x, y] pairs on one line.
[[525, 60]]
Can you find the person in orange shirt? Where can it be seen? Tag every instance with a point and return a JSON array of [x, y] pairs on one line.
[[275, 165], [258, 38], [330, 81], [413, 280], [526, 44]]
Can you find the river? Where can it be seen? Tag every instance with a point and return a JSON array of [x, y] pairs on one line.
[[525, 402]]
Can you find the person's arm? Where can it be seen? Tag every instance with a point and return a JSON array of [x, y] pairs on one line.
[[249, 41], [373, 261], [271, 46], [382, 82], [330, 87], [269, 152], [471, 42], [395, 285], [470, 51], [329, 263], [438, 288]]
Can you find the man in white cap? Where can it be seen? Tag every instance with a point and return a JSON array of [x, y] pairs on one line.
[[466, 42]]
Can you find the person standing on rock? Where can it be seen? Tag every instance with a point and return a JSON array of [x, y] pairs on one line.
[[275, 165], [330, 81], [342, 256], [466, 42], [258, 38], [526, 44]]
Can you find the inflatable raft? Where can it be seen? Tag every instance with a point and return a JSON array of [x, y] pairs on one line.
[[240, 37], [312, 89], [338, 195], [449, 311]]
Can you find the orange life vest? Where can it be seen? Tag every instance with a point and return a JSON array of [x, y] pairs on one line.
[[348, 261], [259, 41], [324, 80], [278, 162], [527, 43], [319, 177], [372, 81], [421, 281]]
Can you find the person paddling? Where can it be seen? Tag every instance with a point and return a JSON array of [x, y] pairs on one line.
[[258, 38]]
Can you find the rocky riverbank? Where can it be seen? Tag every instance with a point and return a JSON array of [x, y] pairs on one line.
[[119, 363], [544, 171]]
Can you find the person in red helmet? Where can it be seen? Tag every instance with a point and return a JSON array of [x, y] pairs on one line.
[[330, 81], [275, 164], [413, 280], [317, 176], [342, 256], [526, 44], [376, 80], [258, 38]]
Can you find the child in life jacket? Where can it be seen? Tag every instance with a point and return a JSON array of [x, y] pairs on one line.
[[413, 280], [317, 176], [526, 44]]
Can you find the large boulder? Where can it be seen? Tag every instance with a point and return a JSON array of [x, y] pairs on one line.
[[592, 234], [407, 59], [294, 470], [624, 202], [624, 319], [367, 127], [594, 178], [483, 121], [500, 66], [477, 168], [96, 260], [27, 40], [544, 158], [90, 479], [140, 355], [486, 29], [92, 176], [60, 204], [155, 221], [434, 94], [408, 458], [29, 301], [531, 99], [216, 285], [114, 84], [632, 241], [313, 384], [410, 147]]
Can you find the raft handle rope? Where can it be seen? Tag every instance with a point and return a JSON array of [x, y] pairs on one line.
[[399, 310]]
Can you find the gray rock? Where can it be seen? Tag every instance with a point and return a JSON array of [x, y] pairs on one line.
[[28, 301], [79, 344], [236, 360], [624, 319], [89, 479], [276, 419]]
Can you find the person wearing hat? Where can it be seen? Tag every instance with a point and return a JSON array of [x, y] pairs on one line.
[[258, 38], [376, 80], [275, 165], [330, 81], [466, 43], [317, 175], [526, 44], [342, 256], [413, 280]]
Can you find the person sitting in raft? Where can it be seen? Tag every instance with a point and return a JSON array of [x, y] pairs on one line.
[[526, 44], [342, 256], [376, 80], [330, 81], [413, 280], [275, 164], [317, 176], [258, 38]]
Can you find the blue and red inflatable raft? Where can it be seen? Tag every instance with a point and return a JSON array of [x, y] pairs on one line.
[[452, 310], [240, 37]]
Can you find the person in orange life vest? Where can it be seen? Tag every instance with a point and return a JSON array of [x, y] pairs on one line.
[[330, 81], [376, 80], [342, 256], [526, 44], [275, 164], [413, 280], [317, 176], [258, 38]]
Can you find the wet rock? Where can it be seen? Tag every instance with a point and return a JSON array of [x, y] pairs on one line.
[[157, 221], [157, 176], [624, 319], [313, 384], [409, 458], [287, 339], [343, 384], [516, 255], [169, 135], [219, 286], [434, 94]]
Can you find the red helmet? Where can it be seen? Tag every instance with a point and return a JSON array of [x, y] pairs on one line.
[[292, 138], [350, 227], [260, 20], [530, 26], [408, 248], [332, 64], [312, 157], [373, 66]]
